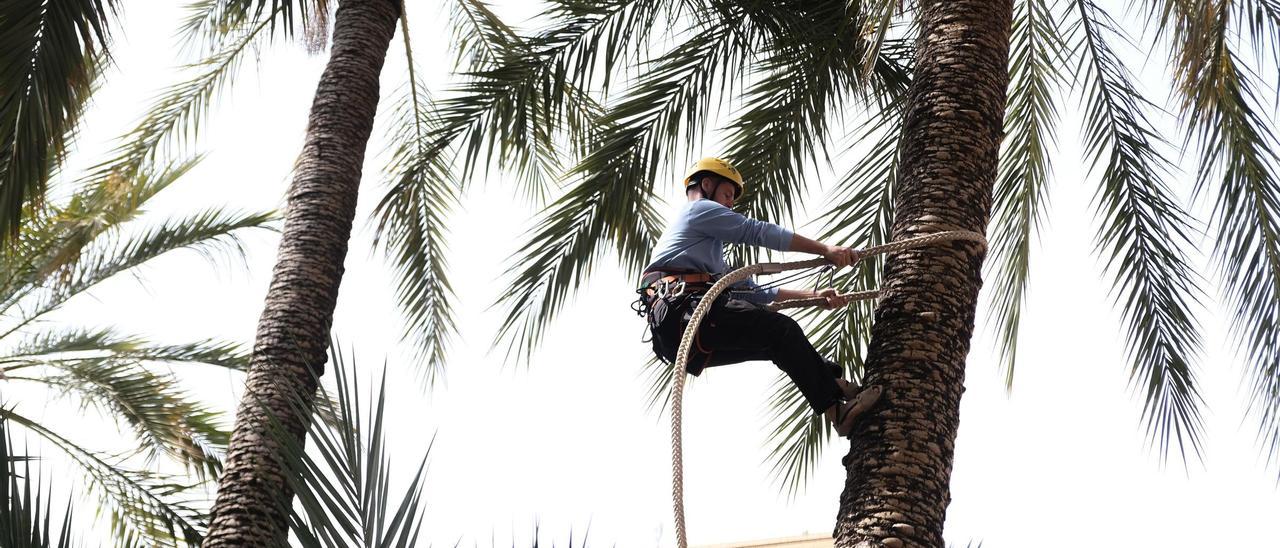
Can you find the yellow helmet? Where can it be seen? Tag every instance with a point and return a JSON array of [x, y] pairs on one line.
[[719, 167]]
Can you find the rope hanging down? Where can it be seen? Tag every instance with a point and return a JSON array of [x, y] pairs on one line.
[[704, 306]]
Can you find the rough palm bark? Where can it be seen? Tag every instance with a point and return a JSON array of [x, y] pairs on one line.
[[899, 466], [293, 332]]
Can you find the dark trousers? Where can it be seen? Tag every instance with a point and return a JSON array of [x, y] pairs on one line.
[[736, 331]]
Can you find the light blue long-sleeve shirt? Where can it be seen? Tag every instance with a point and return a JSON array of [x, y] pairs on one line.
[[695, 242]]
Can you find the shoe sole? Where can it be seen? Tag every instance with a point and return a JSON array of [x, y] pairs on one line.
[[861, 403]]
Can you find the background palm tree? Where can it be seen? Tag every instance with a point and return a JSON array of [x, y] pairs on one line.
[[289, 352], [225, 31], [63, 251]]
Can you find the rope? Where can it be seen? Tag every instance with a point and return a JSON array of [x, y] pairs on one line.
[[704, 306]]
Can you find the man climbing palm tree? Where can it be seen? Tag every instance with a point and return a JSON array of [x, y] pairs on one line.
[[689, 257]]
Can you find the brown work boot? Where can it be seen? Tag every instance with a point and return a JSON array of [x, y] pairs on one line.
[[849, 390], [846, 413]]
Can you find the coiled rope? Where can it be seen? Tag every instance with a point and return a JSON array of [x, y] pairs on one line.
[[704, 306]]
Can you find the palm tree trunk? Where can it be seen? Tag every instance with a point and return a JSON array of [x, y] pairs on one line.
[[899, 466], [293, 332]]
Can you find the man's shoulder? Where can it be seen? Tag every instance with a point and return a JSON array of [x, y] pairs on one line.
[[706, 206]]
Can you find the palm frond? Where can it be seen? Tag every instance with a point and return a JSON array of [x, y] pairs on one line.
[[411, 230], [50, 54], [599, 39], [875, 28], [659, 374], [103, 342], [68, 249], [174, 119], [343, 484], [563, 251], [109, 371], [212, 233], [808, 70], [500, 114], [481, 40], [518, 99], [25, 522], [612, 202], [1238, 170], [797, 437], [1142, 234], [53, 240], [1261, 18], [144, 508], [163, 417], [1036, 53], [208, 23]]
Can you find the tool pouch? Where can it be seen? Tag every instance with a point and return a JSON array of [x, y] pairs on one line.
[[667, 318]]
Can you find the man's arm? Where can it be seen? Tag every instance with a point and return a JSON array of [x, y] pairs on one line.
[[785, 294], [838, 255], [834, 300], [720, 222]]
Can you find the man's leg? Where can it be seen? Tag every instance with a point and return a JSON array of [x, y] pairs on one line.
[[738, 331]]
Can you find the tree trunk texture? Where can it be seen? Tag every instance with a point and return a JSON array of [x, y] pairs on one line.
[[293, 333], [899, 465]]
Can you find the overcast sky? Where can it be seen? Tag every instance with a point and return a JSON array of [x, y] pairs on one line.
[[567, 445]]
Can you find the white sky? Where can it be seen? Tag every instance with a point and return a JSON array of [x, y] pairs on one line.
[[566, 444]]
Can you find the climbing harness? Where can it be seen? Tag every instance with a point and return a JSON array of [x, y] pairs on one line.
[[704, 306]]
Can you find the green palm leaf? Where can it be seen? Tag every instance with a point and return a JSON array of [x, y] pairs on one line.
[[411, 229], [106, 341], [1238, 171], [209, 22], [91, 239], [342, 485], [24, 520], [174, 119], [68, 248], [1020, 197], [809, 68], [877, 22], [796, 439], [659, 374], [145, 508], [1142, 234], [1261, 18], [163, 418], [211, 233], [517, 100], [110, 372], [50, 54], [54, 239]]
